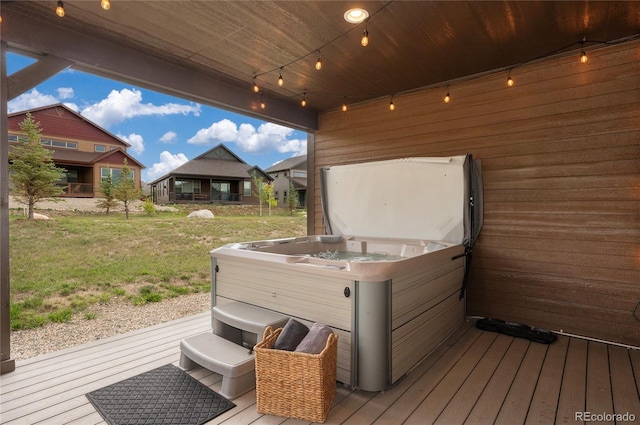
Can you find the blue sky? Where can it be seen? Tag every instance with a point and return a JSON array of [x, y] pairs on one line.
[[163, 131]]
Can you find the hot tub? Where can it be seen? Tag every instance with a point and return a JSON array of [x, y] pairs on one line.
[[388, 275]]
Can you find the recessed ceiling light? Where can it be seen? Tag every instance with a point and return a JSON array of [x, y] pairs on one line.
[[356, 15]]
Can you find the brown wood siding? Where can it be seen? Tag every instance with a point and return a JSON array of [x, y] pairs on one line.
[[560, 154]]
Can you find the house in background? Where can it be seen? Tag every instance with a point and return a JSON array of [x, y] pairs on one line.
[[85, 150], [292, 170], [217, 175]]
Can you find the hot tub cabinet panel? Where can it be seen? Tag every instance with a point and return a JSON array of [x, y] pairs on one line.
[[391, 288]]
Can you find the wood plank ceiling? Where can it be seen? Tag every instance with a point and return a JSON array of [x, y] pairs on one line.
[[225, 44]]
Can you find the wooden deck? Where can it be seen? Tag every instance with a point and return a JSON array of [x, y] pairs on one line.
[[475, 377]]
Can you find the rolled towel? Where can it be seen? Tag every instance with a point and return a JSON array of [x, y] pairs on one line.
[[292, 333], [315, 341]]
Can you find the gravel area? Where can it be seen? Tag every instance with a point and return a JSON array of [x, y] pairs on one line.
[[113, 318]]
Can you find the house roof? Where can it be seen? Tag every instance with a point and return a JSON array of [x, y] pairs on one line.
[[212, 52], [296, 162], [218, 162], [73, 157], [54, 122]]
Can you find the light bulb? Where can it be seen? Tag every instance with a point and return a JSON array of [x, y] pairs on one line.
[[105, 4], [280, 79], [365, 38], [303, 102], [583, 57], [319, 64], [344, 107], [255, 87], [392, 106], [510, 81], [60, 9], [447, 98], [262, 104]]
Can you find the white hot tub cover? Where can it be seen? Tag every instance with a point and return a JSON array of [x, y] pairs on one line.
[[428, 198]]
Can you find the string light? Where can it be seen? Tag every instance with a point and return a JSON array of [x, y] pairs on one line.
[[583, 54], [280, 79], [365, 37], [392, 107], [262, 104], [344, 105], [303, 102], [60, 9], [510, 81], [319, 64], [254, 86], [447, 98], [105, 4]]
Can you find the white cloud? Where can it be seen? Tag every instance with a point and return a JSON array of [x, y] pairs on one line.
[[34, 99], [221, 131], [124, 104], [267, 137], [30, 100], [169, 137], [168, 162], [65, 92], [135, 140]]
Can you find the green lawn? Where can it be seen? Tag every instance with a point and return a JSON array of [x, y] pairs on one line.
[[60, 267]]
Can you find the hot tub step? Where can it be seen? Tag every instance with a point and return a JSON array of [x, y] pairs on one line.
[[249, 318], [236, 364]]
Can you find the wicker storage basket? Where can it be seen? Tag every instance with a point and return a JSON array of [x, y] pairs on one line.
[[292, 384]]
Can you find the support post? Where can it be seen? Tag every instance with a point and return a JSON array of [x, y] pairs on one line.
[[7, 364]]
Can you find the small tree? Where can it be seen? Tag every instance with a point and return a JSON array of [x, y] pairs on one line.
[[258, 189], [33, 172], [107, 187], [292, 199], [267, 194], [125, 189]]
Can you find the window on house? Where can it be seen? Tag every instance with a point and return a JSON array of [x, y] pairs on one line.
[[247, 188], [301, 174], [100, 148], [115, 173], [59, 143], [188, 186], [16, 138]]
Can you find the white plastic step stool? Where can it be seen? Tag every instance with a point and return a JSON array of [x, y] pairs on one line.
[[234, 325]]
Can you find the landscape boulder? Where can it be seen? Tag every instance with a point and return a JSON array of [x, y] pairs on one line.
[[37, 216], [200, 214]]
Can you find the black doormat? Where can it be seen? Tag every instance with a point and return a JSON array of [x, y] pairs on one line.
[[166, 395]]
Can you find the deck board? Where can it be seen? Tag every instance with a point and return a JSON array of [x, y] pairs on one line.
[[572, 391], [488, 406], [623, 384], [474, 377], [545, 398], [516, 404], [598, 396]]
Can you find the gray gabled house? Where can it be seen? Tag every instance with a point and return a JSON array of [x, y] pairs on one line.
[[284, 174], [216, 176]]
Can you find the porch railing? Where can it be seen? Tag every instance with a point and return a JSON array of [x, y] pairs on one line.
[[80, 190]]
